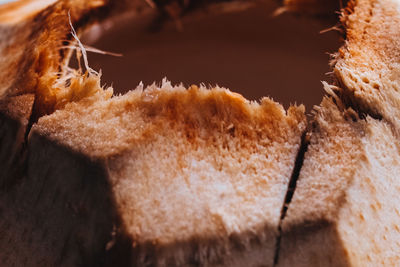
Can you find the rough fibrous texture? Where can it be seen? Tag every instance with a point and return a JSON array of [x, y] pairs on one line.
[[367, 66], [342, 212], [168, 176], [353, 222], [31, 42], [202, 152]]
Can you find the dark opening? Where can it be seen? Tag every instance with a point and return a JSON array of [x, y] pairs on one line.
[[248, 51]]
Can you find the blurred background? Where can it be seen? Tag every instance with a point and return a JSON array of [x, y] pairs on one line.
[[6, 1], [248, 50]]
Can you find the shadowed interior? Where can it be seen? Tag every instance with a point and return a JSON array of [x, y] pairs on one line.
[[249, 51]]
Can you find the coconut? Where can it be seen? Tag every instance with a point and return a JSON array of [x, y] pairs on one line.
[[182, 175]]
